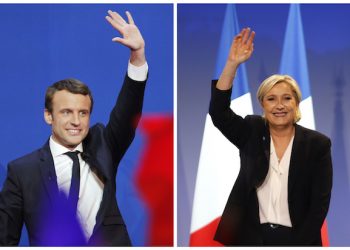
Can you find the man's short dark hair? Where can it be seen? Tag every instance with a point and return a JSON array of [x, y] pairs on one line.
[[71, 85]]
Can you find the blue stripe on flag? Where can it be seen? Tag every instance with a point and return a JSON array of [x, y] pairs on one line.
[[293, 60], [230, 28]]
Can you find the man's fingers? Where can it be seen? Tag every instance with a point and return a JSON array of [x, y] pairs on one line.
[[116, 25], [116, 17], [130, 19], [118, 40]]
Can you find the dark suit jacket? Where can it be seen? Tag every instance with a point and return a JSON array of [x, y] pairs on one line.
[[30, 190], [309, 180]]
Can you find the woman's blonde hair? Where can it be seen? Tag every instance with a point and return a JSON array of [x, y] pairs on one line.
[[271, 81]]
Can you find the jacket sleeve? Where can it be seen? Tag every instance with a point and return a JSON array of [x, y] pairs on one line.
[[321, 186], [124, 118], [11, 203], [232, 126]]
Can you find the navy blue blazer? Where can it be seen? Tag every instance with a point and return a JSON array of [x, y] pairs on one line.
[[30, 192], [309, 179]]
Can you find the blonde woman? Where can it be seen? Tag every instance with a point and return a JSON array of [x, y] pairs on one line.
[[282, 193]]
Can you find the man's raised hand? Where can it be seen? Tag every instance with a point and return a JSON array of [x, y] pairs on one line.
[[131, 36]]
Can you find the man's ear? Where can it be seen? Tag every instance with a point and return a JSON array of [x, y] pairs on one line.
[[48, 117]]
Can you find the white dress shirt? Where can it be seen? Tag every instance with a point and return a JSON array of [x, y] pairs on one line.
[[91, 187], [138, 73], [273, 193]]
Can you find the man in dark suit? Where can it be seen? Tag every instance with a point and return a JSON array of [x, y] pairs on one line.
[[65, 191]]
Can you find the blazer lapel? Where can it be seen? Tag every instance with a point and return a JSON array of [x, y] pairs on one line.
[[266, 142], [296, 161], [48, 172], [265, 161], [106, 199], [90, 158], [87, 157]]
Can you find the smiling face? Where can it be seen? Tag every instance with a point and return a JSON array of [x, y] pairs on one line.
[[280, 105], [70, 118]]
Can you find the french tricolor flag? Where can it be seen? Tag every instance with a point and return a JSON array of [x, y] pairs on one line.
[[294, 63], [219, 160]]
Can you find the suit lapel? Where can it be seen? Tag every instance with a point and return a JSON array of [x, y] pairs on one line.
[[48, 172], [93, 165], [90, 157], [296, 158], [106, 197]]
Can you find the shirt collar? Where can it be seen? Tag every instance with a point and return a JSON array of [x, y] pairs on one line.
[[57, 149], [274, 163]]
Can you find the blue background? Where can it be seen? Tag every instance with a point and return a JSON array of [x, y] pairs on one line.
[[43, 43], [327, 41]]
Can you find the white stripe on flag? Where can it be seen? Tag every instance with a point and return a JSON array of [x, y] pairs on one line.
[[218, 168], [307, 113]]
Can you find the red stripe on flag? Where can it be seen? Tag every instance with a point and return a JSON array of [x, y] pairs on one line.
[[205, 235], [154, 178], [324, 234]]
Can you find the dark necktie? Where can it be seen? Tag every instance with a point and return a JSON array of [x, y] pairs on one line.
[[75, 182]]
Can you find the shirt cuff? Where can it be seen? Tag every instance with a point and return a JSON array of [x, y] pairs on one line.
[[138, 73]]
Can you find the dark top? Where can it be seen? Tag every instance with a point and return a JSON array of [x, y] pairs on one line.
[[30, 193], [309, 179]]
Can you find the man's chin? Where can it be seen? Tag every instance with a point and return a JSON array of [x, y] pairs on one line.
[[73, 143]]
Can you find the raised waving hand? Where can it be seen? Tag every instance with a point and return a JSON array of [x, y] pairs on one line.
[[130, 36], [242, 46], [241, 50]]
